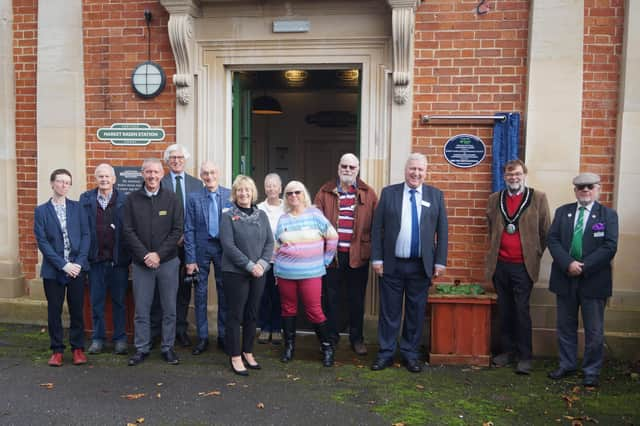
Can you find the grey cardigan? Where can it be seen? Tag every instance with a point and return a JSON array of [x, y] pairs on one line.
[[246, 240]]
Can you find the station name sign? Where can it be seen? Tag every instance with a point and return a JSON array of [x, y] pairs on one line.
[[130, 134]]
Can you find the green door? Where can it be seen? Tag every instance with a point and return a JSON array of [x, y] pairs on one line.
[[241, 127]]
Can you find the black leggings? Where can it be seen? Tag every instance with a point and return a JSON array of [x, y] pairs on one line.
[[242, 293]]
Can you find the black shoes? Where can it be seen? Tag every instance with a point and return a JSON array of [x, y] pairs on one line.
[[413, 365], [238, 372], [359, 348], [200, 347], [170, 357], [137, 358], [503, 359], [524, 367], [590, 382], [183, 340], [255, 366], [560, 373], [381, 364]]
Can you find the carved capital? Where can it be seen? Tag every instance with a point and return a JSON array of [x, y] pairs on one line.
[[181, 38], [402, 20], [190, 7]]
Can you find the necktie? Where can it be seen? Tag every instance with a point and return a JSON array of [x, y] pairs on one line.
[[578, 231], [179, 190], [213, 215], [415, 226]]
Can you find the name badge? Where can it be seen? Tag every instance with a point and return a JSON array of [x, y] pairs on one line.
[[426, 203], [226, 209], [598, 234], [162, 213]]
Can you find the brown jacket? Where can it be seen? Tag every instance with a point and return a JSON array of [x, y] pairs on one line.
[[533, 226], [327, 201]]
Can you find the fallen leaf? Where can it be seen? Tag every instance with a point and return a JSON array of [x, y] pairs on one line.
[[231, 384], [360, 366], [131, 424], [397, 365], [159, 384], [46, 385], [576, 423], [398, 424], [295, 379], [509, 410], [420, 387], [132, 396], [158, 395], [489, 423], [339, 379], [576, 389], [43, 330], [210, 393], [140, 420], [260, 405]]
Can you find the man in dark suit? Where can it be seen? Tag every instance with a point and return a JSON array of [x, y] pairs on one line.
[[109, 258], [182, 183], [409, 247], [202, 246], [583, 240]]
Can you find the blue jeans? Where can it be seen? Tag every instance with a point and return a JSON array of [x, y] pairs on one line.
[[269, 319], [567, 322], [212, 253], [103, 276]]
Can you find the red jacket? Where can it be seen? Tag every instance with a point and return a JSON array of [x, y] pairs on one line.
[[327, 200]]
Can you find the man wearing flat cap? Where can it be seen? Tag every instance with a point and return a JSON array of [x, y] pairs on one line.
[[582, 240]]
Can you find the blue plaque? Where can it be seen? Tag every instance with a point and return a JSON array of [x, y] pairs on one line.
[[465, 150]]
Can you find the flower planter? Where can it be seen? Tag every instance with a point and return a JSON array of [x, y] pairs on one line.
[[461, 329]]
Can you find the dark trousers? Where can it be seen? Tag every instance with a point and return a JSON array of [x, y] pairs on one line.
[[513, 286], [211, 254], [55, 292], [243, 293], [408, 283], [269, 319], [567, 322], [183, 297], [102, 276], [355, 281]]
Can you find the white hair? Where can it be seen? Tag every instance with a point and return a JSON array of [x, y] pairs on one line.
[[175, 147]]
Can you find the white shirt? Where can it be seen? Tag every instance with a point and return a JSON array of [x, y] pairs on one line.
[[403, 243], [273, 213], [587, 212]]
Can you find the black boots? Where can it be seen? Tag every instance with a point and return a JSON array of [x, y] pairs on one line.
[[322, 331], [289, 336]]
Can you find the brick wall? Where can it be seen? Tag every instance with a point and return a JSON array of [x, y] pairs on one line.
[[603, 31], [115, 41], [466, 64], [25, 43]]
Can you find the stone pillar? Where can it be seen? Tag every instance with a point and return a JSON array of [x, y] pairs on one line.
[[60, 93], [627, 174], [11, 278]]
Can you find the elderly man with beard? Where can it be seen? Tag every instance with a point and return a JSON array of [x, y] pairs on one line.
[[583, 240], [348, 203], [518, 219]]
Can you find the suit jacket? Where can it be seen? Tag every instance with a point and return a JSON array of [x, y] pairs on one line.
[[89, 202], [433, 227], [599, 245], [196, 224], [191, 184], [48, 232], [533, 226]]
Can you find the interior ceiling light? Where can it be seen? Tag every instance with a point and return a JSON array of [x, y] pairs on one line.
[[348, 75], [296, 76], [266, 105]]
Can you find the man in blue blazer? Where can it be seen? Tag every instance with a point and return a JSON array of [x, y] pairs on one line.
[[182, 183], [62, 234], [583, 240], [108, 256], [202, 246], [409, 248]]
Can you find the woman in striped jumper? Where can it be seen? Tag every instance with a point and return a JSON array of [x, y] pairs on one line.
[[305, 245]]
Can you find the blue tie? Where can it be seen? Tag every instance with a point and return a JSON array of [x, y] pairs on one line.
[[213, 215], [415, 226]]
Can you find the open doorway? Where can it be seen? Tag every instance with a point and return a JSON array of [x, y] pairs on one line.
[[318, 120]]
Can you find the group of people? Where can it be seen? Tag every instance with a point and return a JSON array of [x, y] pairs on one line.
[[267, 254], [582, 240]]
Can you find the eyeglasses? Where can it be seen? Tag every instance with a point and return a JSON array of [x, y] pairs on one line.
[[176, 157], [515, 174], [583, 187], [348, 166], [290, 193]]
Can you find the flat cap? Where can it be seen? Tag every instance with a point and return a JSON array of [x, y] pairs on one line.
[[586, 179]]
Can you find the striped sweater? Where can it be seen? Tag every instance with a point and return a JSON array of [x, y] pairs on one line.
[[304, 245]]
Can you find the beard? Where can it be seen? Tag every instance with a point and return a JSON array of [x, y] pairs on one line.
[[514, 188], [347, 180]]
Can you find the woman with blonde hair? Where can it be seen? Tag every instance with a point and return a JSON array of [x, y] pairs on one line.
[[305, 245], [247, 249]]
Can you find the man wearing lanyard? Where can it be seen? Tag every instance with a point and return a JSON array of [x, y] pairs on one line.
[[182, 183], [518, 219], [583, 239]]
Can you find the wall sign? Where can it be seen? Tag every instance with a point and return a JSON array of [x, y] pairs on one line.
[[128, 179], [465, 150], [130, 134]]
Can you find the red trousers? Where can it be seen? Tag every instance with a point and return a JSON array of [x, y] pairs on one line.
[[311, 293]]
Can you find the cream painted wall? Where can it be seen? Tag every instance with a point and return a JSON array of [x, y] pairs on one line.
[[60, 92], [627, 195]]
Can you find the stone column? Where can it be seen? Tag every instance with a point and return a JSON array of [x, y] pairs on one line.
[[11, 279], [627, 187]]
